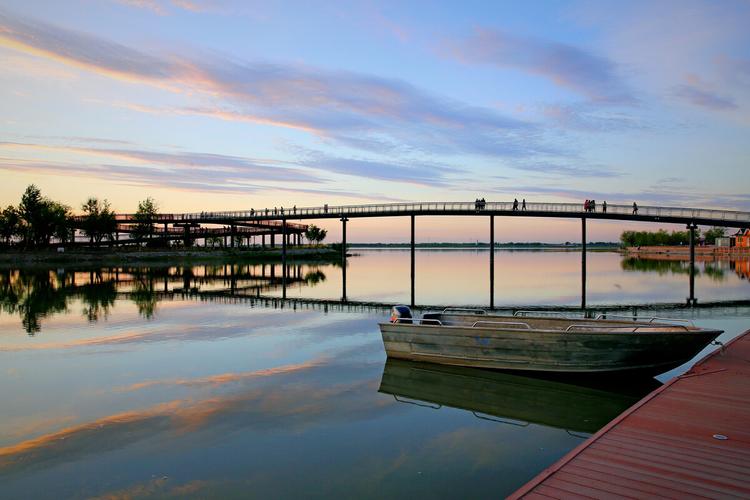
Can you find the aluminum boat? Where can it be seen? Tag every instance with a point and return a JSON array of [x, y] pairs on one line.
[[543, 343]]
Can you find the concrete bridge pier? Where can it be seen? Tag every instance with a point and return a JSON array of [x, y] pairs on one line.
[[343, 258], [492, 261], [583, 262], [412, 261], [234, 235], [283, 258], [691, 300], [273, 240], [263, 242]]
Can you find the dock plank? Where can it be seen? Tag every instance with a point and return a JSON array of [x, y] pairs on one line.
[[664, 446]]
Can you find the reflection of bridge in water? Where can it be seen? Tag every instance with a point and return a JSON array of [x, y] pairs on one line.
[[713, 309], [276, 221], [38, 293]]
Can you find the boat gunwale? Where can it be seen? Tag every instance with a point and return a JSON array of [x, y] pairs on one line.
[[589, 331]]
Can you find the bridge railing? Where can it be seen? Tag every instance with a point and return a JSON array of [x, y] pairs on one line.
[[462, 207], [269, 217]]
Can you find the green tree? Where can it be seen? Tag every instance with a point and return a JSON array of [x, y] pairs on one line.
[[713, 233], [145, 217], [10, 224], [315, 234], [42, 218], [99, 220]]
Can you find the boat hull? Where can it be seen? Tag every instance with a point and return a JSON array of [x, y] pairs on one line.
[[553, 351]]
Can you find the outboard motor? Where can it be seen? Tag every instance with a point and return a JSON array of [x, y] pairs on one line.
[[400, 313]]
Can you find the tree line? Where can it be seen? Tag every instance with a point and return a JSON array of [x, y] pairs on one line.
[[663, 238], [37, 219]]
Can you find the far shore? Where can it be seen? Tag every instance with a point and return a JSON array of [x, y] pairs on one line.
[[684, 250]]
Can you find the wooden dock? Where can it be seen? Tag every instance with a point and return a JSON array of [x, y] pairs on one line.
[[688, 439]]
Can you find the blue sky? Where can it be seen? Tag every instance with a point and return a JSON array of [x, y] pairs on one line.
[[211, 105]]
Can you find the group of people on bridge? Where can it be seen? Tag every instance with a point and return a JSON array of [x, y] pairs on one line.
[[515, 204], [590, 206]]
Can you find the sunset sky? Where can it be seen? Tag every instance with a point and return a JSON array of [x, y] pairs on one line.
[[224, 105]]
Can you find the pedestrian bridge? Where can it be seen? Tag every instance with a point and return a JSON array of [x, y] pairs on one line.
[[695, 216]]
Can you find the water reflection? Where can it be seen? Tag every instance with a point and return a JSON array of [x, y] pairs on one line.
[[565, 403], [715, 270], [443, 278], [36, 293]]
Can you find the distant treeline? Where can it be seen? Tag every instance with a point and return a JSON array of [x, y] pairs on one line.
[[663, 238], [567, 244]]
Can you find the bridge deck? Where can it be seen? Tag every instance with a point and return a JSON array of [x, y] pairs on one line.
[[701, 216], [687, 439], [272, 218]]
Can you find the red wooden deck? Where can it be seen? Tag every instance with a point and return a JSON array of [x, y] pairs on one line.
[[670, 443]]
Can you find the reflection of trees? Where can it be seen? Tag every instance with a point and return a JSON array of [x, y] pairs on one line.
[[33, 294], [98, 299], [314, 277], [714, 272], [143, 295], [662, 267]]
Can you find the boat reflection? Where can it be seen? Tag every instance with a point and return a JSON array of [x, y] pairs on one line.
[[566, 403]]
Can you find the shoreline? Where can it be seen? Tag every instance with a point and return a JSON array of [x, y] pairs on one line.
[[155, 256], [708, 251]]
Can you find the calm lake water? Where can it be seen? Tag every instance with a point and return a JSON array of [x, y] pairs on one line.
[[200, 382]]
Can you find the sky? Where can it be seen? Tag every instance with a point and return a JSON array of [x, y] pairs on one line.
[[210, 105]]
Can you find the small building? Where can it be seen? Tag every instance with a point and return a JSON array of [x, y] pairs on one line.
[[724, 242], [742, 239]]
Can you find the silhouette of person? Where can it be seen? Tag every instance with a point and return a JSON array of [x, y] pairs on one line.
[[604, 206], [635, 208], [515, 204], [523, 204]]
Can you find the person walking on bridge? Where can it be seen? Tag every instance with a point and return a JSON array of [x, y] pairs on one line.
[[635, 209], [604, 207], [523, 204], [515, 204]]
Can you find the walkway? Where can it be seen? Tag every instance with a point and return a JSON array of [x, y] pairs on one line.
[[688, 439], [701, 216]]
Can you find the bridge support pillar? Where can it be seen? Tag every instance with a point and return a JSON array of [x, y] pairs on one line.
[[273, 240], [166, 235], [343, 258], [691, 300], [263, 242], [583, 262], [234, 235], [283, 257], [186, 236], [412, 261], [492, 261]]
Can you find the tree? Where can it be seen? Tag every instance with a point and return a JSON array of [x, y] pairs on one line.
[[42, 218], [99, 220], [10, 224], [144, 218], [315, 234], [713, 233], [30, 212]]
